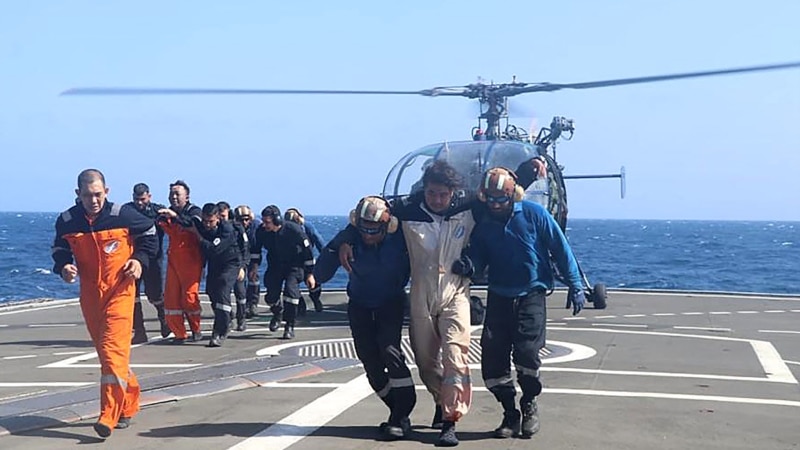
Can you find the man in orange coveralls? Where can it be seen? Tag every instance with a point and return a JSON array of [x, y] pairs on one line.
[[184, 263], [107, 245]]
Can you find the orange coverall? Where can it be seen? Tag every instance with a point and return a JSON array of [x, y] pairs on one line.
[[100, 248], [184, 271]]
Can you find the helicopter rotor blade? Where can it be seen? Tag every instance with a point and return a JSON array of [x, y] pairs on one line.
[[550, 87], [443, 91]]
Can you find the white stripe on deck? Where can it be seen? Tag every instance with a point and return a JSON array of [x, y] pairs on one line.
[[623, 325], [309, 418], [19, 357], [702, 328], [779, 331], [45, 384], [52, 325]]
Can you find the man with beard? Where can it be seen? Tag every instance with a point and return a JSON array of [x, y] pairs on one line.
[[152, 277], [184, 263], [515, 240]]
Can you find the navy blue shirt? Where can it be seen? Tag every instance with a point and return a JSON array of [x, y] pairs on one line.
[[380, 272], [518, 251]]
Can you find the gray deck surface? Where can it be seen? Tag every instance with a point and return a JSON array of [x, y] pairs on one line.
[[654, 370]]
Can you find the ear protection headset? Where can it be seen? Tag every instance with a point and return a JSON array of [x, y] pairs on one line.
[[374, 209], [294, 215], [274, 213], [242, 211], [500, 175]]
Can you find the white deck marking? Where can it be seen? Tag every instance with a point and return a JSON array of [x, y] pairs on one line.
[[52, 325], [702, 328], [716, 313], [19, 357], [775, 311], [635, 315], [692, 313], [68, 353], [22, 395], [779, 331], [309, 418], [573, 318], [794, 363], [3, 325], [605, 317], [637, 373], [746, 312], [663, 314], [588, 392], [46, 384], [17, 309], [624, 325], [73, 362], [689, 295], [769, 358]]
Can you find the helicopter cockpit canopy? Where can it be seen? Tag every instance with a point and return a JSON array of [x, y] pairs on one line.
[[469, 158]]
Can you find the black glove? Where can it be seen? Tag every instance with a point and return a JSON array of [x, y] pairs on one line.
[[576, 301], [463, 266]]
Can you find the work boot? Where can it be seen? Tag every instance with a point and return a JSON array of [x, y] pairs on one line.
[[510, 426], [197, 336], [139, 337], [530, 418], [436, 423], [165, 331], [102, 430], [447, 437], [275, 322], [395, 429], [241, 325], [124, 422], [288, 331], [215, 341], [250, 312]]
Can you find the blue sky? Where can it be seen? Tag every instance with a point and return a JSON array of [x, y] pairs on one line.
[[716, 148]]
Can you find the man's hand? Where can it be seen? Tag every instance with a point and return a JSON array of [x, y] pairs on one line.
[[463, 266], [240, 275], [69, 273], [167, 213], [346, 256], [311, 282], [132, 268], [576, 302]]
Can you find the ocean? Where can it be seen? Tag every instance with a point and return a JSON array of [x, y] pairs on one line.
[[643, 254]]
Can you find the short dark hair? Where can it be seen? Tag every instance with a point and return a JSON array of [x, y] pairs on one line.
[[140, 189], [180, 183], [273, 212], [440, 172], [89, 176], [210, 209], [224, 206]]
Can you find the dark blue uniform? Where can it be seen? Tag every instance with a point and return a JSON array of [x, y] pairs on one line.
[[517, 253], [239, 289], [224, 260], [376, 292]]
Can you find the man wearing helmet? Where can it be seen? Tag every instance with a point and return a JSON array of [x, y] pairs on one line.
[[244, 216], [437, 222], [515, 240], [294, 215], [376, 293]]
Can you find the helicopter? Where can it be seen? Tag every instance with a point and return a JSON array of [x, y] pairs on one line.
[[493, 142]]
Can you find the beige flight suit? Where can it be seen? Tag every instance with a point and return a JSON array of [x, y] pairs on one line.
[[440, 314]]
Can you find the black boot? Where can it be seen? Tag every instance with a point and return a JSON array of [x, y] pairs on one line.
[[165, 331], [510, 426], [139, 332], [275, 322], [288, 331], [530, 418], [437, 418], [447, 437]]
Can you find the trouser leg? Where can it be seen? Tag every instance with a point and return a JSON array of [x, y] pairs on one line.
[[529, 339], [496, 342]]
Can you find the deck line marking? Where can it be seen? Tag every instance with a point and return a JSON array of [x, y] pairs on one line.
[[22, 395], [635, 315], [775, 311], [605, 317], [19, 357], [309, 418], [779, 331], [3, 325], [134, 366], [720, 312], [68, 353], [588, 392], [701, 328], [767, 355], [624, 325], [45, 384], [795, 363], [692, 314], [52, 325], [659, 374], [746, 312], [28, 308], [663, 314]]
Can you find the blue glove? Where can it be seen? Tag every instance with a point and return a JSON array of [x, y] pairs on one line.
[[463, 266], [577, 301]]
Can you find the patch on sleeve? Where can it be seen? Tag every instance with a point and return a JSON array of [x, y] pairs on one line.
[[306, 243], [217, 241]]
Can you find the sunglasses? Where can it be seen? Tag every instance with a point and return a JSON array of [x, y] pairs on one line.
[[499, 200]]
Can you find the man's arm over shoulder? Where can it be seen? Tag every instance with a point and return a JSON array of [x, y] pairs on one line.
[[326, 265], [143, 231], [559, 247]]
